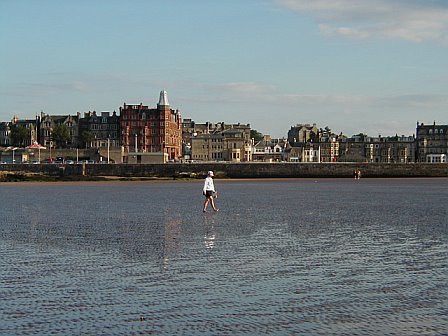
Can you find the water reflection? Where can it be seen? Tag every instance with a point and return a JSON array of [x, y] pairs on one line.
[[171, 239], [210, 232]]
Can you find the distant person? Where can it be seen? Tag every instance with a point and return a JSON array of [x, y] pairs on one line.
[[209, 192], [357, 174]]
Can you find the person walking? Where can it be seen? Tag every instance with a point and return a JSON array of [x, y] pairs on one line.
[[209, 191]]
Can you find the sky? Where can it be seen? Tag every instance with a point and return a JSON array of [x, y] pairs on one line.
[[371, 66]]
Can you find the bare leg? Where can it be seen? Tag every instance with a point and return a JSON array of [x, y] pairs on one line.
[[205, 204], [213, 204]]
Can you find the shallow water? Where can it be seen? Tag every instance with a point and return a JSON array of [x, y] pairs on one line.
[[282, 257]]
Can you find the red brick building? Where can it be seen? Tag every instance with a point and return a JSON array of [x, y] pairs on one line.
[[146, 129]]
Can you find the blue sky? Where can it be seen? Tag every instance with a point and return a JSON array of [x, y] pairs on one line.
[[371, 66]]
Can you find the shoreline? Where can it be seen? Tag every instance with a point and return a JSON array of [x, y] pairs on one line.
[[193, 171], [30, 178]]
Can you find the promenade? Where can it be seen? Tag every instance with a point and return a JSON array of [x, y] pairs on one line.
[[230, 170]]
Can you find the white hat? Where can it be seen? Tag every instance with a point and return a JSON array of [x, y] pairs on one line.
[[210, 173]]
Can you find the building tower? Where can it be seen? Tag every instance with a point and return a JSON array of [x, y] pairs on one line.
[[152, 130], [170, 127]]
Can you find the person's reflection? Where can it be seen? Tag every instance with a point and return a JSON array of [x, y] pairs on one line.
[[171, 241], [210, 233]]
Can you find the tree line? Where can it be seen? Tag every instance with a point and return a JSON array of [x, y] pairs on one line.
[[60, 136]]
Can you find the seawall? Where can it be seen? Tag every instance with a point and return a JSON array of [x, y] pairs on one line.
[[234, 170]]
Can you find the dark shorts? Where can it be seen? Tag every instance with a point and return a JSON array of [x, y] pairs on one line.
[[208, 193]]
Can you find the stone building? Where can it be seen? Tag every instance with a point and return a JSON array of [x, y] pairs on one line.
[[329, 150], [270, 150], [312, 144], [432, 142], [30, 136], [390, 149], [363, 148], [353, 149], [191, 129], [99, 130], [303, 133], [5, 133], [307, 143], [311, 152], [304, 152], [48, 123], [294, 154], [145, 129], [217, 141], [228, 145]]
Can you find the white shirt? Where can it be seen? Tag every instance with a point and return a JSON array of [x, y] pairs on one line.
[[208, 184]]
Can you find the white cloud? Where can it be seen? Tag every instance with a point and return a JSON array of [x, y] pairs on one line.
[[416, 21], [254, 93], [245, 87], [423, 101], [230, 93], [270, 110]]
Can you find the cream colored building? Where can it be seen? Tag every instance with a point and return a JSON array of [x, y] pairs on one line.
[[217, 141], [229, 145]]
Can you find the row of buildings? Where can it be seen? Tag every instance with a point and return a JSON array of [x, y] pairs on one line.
[[141, 133]]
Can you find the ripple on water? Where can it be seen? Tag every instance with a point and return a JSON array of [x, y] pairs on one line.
[[282, 257]]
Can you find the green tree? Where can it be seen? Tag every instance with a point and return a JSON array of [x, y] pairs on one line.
[[19, 135], [61, 135], [86, 138], [257, 136]]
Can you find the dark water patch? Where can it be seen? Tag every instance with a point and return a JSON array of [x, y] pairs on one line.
[[281, 257]]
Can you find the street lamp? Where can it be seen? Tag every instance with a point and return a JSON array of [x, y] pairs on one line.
[[108, 148], [13, 149], [51, 142]]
